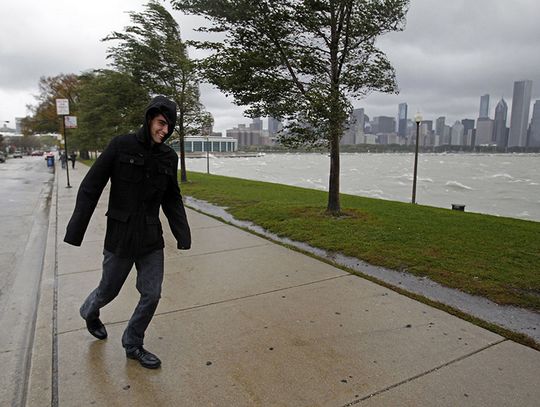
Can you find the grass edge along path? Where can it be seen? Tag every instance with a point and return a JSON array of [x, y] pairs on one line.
[[494, 257]]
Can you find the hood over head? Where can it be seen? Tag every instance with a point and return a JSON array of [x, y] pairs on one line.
[[159, 104]]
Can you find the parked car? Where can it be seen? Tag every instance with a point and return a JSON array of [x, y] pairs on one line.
[[17, 154], [37, 153]]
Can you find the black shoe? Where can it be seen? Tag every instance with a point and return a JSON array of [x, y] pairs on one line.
[[145, 358], [96, 328]]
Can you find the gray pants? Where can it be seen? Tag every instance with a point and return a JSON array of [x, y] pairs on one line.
[[115, 271]]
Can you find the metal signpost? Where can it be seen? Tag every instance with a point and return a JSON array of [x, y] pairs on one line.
[[62, 109]]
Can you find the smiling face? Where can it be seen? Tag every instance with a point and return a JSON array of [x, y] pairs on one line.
[[159, 128]]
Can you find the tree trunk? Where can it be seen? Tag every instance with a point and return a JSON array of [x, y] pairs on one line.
[[183, 173], [334, 206], [181, 133]]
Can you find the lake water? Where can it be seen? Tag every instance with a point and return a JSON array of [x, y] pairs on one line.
[[496, 184]]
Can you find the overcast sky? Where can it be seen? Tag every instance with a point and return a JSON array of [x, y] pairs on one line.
[[451, 53]]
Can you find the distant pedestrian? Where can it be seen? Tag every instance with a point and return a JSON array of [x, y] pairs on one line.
[[73, 158], [63, 159], [143, 174]]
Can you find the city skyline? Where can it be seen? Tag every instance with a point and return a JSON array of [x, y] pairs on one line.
[[522, 130]]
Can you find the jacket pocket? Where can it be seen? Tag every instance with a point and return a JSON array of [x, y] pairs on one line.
[[131, 168], [117, 231], [117, 215], [162, 177]]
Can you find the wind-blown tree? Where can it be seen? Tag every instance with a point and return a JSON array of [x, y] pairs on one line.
[[152, 51], [300, 61], [110, 103], [44, 118]]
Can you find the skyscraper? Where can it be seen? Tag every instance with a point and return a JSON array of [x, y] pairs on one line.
[[439, 125], [484, 132], [274, 126], [500, 131], [456, 134], [484, 106], [519, 120], [402, 119], [383, 124], [468, 131], [257, 124], [354, 132], [534, 136], [468, 124]]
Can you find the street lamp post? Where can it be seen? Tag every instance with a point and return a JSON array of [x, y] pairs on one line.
[[207, 156], [417, 119]]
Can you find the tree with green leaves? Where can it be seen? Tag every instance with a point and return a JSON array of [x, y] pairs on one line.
[[300, 61], [152, 51], [110, 103], [44, 118]]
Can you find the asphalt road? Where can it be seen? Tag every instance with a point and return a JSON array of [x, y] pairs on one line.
[[25, 191]]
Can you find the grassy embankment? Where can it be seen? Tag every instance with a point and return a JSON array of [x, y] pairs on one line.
[[498, 258]]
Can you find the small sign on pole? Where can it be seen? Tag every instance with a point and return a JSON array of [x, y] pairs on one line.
[[70, 122], [62, 106]]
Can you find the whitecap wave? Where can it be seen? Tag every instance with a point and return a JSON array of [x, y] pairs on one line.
[[458, 185], [503, 175]]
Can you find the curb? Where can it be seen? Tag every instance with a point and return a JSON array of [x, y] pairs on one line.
[[40, 390]]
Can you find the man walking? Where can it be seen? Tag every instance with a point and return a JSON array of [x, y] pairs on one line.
[[143, 175]]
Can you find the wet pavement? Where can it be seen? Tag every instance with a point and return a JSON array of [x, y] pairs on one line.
[[25, 188], [244, 321]]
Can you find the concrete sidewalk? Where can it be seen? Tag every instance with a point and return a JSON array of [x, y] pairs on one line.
[[247, 322]]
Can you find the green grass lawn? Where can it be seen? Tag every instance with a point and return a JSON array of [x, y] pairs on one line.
[[498, 258]]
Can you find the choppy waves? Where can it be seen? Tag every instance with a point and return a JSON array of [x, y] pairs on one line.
[[458, 185]]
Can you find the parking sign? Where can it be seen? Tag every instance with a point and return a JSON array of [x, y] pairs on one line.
[[62, 106]]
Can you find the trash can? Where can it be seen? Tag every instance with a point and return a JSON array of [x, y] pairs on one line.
[[458, 207], [50, 161]]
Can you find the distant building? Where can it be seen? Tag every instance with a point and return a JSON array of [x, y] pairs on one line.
[[426, 130], [354, 134], [534, 134], [456, 134], [402, 120], [18, 124], [274, 126], [439, 125], [500, 131], [484, 132], [468, 124], [257, 124], [484, 106], [445, 138], [468, 137], [249, 136], [383, 124], [519, 120], [198, 144], [389, 138], [369, 139], [428, 125]]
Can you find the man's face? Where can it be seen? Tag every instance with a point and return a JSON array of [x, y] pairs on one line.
[[158, 128]]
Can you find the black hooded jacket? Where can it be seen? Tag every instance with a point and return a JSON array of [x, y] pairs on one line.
[[143, 177]]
